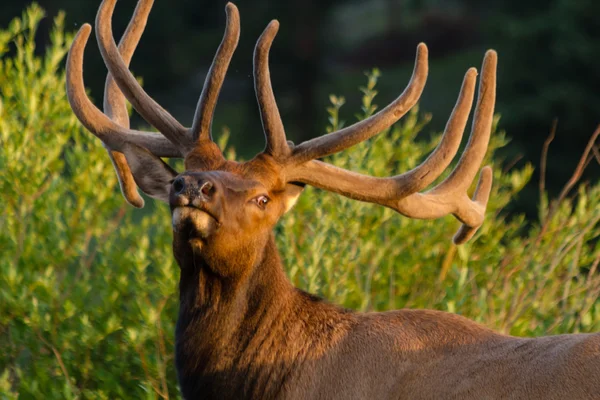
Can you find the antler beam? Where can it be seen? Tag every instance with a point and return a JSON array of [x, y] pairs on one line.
[[401, 192]]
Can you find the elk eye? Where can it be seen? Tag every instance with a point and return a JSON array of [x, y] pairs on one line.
[[262, 201]]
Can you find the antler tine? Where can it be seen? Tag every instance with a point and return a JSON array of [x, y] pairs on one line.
[[479, 203], [113, 135], [363, 130], [151, 111], [201, 128], [276, 143], [115, 106]]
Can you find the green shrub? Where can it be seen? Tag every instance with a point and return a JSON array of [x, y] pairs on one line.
[[87, 284], [88, 294]]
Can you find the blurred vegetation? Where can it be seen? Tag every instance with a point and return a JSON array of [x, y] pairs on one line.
[[88, 292]]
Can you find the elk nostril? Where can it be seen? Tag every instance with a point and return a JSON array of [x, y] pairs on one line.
[[207, 189], [178, 185]]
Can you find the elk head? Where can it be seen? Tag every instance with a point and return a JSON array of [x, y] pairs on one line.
[[223, 211]]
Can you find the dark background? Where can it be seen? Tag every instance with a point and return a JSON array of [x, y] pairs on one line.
[[548, 63]]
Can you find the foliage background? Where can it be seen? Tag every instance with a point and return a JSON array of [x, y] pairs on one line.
[[88, 284]]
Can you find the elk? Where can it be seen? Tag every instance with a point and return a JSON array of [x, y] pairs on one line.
[[243, 330]]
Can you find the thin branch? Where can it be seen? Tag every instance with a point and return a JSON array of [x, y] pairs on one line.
[[162, 351], [544, 157], [512, 163], [583, 162], [150, 379], [596, 153], [59, 360]]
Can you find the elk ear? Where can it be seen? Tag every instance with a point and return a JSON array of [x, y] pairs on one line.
[[151, 174], [290, 195]]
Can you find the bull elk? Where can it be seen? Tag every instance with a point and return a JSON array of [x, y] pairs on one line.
[[243, 330]]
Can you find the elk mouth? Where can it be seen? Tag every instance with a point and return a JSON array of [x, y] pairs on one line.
[[194, 222]]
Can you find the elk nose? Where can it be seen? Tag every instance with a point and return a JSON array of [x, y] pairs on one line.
[[193, 187]]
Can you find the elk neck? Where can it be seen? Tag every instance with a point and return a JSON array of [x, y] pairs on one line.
[[249, 333], [230, 301]]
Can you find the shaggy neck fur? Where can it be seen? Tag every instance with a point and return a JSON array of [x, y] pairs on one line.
[[245, 336]]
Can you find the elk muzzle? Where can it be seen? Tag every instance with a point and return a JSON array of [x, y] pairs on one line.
[[195, 201]]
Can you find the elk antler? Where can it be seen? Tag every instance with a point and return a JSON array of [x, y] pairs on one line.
[[399, 192], [337, 141], [107, 130], [116, 108], [276, 143], [112, 127], [151, 111]]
